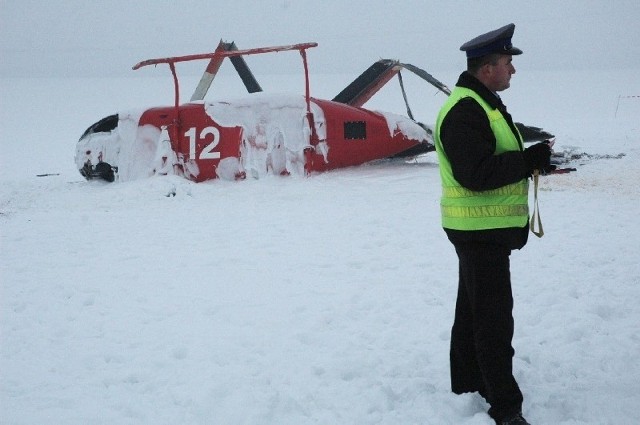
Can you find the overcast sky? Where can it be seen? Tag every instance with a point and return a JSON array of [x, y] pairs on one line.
[[107, 37]]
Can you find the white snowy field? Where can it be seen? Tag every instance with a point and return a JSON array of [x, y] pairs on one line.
[[290, 300]]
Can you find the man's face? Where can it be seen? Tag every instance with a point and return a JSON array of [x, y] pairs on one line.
[[499, 75]]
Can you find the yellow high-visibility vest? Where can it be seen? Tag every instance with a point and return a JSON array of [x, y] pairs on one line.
[[464, 209]]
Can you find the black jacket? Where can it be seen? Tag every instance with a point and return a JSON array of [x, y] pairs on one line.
[[469, 143]]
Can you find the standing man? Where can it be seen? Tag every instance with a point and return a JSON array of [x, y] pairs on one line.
[[484, 170]]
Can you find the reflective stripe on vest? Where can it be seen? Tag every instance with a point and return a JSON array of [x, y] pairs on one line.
[[464, 209]]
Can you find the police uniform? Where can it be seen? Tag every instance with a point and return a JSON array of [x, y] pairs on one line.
[[484, 169]]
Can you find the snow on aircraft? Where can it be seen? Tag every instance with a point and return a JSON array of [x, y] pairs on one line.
[[260, 134]]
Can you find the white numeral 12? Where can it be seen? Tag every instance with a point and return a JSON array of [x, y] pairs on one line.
[[207, 152]]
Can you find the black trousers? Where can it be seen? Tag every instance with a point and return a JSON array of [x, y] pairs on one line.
[[481, 352]]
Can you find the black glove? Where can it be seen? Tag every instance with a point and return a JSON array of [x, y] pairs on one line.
[[538, 157]]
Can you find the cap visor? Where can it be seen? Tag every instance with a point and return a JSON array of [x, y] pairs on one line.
[[513, 51]]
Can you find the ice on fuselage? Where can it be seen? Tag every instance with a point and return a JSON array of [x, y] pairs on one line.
[[275, 131]]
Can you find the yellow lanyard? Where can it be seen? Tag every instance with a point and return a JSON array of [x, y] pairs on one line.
[[535, 217]]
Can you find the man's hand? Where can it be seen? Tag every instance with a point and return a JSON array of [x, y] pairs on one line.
[[538, 157]]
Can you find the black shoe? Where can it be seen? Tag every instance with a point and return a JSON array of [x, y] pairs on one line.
[[515, 420]]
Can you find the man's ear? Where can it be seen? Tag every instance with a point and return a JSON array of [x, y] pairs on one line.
[[485, 71]]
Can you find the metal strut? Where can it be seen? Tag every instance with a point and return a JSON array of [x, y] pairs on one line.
[[404, 96]]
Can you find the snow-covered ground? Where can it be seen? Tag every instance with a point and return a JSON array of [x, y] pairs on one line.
[[291, 300]]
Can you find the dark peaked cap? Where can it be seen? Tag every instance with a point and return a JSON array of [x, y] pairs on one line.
[[496, 41]]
